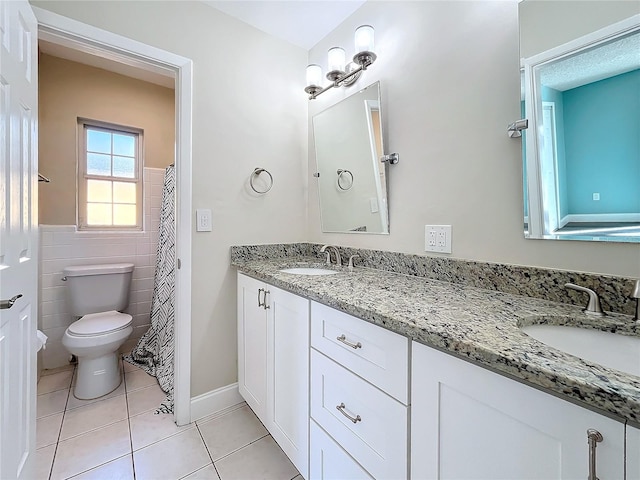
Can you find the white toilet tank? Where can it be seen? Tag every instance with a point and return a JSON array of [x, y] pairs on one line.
[[98, 288]]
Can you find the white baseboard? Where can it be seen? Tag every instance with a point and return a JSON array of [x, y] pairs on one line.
[[214, 401]]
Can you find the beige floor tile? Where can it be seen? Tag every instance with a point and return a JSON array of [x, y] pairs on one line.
[[173, 457], [54, 382], [138, 379], [230, 432], [145, 399], [119, 469], [48, 430], [92, 449], [76, 402], [95, 415], [44, 460], [129, 367], [50, 403], [220, 413], [148, 428], [64, 368], [261, 460], [206, 473]]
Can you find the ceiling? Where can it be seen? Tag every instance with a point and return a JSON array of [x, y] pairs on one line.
[[300, 22]]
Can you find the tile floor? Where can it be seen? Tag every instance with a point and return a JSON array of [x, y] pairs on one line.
[[119, 437]]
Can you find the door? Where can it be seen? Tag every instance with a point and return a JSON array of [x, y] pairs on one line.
[[252, 345], [468, 422], [18, 237], [288, 374]]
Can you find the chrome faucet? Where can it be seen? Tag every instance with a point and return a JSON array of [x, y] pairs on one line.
[[327, 249], [636, 294], [593, 307]]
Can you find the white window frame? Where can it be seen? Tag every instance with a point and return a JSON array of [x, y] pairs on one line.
[[81, 205]]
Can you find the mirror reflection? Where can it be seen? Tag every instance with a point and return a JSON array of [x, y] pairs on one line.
[[582, 148], [352, 182]]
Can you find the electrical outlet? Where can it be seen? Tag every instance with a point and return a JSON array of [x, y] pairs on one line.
[[437, 238], [596, 196], [203, 220]]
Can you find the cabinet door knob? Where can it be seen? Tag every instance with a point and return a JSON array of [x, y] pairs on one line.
[[342, 338], [341, 408], [593, 438]]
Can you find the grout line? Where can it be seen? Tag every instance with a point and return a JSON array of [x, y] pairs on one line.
[[208, 452], [64, 412], [240, 448], [126, 398], [97, 466]]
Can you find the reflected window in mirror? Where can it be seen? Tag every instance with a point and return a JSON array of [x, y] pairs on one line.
[[581, 152], [352, 182]]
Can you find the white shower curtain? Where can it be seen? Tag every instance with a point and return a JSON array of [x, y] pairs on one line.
[[154, 352]]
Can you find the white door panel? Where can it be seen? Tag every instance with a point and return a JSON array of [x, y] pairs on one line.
[[18, 236]]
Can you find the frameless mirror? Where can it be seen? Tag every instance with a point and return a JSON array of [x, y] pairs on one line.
[[581, 95], [352, 182]]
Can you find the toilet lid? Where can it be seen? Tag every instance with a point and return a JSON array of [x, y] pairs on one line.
[[100, 323]]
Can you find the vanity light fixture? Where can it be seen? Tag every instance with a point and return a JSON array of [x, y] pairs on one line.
[[342, 74]]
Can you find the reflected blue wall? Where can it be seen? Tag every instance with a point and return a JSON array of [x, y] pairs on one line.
[[602, 145]]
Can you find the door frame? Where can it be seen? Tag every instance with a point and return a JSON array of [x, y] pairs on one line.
[[80, 36]]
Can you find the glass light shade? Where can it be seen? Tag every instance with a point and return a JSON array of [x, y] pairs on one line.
[[336, 59], [364, 39], [314, 75]]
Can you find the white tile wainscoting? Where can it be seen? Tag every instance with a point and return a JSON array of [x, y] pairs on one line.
[[63, 245]]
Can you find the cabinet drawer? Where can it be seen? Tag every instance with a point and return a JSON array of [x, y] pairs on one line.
[[329, 461], [381, 356], [378, 439]]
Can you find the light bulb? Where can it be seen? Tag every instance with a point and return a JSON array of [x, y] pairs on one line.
[[364, 39], [314, 75], [336, 59]]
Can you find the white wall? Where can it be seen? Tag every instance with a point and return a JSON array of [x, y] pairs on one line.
[[62, 246], [249, 111], [450, 85]]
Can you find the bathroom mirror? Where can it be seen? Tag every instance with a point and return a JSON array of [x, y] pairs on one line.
[[581, 152], [352, 182]]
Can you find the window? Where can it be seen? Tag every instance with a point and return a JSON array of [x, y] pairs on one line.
[[109, 177]]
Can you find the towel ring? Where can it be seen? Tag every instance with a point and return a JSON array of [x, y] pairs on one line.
[[255, 174], [342, 172]]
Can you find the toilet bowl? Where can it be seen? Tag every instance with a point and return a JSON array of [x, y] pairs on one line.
[[97, 294], [95, 340]]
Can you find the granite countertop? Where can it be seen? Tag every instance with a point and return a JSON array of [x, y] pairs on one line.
[[475, 324]]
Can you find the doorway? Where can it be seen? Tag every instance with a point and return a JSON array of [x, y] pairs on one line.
[[116, 49]]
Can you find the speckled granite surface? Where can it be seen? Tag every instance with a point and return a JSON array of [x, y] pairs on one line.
[[477, 324], [534, 282]]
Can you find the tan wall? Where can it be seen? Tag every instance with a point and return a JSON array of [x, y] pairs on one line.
[[68, 90]]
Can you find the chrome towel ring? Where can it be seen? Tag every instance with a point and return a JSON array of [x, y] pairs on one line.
[[255, 174], [349, 179]]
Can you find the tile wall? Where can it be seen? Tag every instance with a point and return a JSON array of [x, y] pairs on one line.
[[62, 246]]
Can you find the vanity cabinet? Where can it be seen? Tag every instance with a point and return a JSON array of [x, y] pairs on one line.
[[633, 453], [359, 398], [273, 363], [468, 422]]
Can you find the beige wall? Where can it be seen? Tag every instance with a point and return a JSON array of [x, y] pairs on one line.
[[249, 110], [450, 86], [68, 90]]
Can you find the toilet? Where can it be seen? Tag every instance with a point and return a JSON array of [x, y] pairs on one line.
[[96, 294]]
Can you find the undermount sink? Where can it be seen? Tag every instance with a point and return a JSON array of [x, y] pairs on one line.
[[612, 350], [308, 271]]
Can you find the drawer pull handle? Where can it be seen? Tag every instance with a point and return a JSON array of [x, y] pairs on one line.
[[260, 290], [344, 340], [341, 408], [593, 438]]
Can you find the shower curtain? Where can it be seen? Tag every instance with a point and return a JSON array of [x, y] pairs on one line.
[[154, 351]]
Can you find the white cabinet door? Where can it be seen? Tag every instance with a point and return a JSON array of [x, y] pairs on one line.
[[329, 461], [252, 345], [288, 374], [470, 423], [633, 453]]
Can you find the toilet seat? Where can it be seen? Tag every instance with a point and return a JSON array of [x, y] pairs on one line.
[[99, 324]]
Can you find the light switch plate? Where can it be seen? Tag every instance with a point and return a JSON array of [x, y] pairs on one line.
[[437, 238], [203, 220]]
